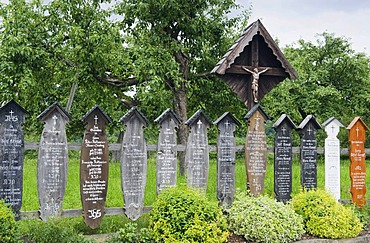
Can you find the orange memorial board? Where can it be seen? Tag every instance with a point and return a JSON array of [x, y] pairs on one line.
[[357, 134]]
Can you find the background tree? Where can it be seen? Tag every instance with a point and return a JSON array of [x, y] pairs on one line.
[[333, 81]]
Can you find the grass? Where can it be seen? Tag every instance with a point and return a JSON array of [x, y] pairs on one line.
[[115, 198]]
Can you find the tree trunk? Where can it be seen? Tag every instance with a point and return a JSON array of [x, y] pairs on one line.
[[180, 108]]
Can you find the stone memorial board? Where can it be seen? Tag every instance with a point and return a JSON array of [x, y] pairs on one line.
[[332, 156], [94, 165], [12, 154], [226, 125], [134, 164], [357, 137], [283, 158], [52, 167], [197, 152], [308, 152], [256, 150], [167, 150]]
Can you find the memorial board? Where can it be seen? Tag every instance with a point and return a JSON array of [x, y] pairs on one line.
[[197, 152], [283, 158], [11, 154], [308, 152], [52, 164], [134, 163], [357, 137], [167, 150], [332, 156], [226, 125], [256, 150], [94, 165]]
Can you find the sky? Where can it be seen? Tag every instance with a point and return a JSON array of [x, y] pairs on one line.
[[291, 20]]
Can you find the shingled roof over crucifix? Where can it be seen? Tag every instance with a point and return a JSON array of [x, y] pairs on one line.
[[254, 65]]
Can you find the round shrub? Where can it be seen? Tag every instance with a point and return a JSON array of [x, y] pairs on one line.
[[8, 227], [324, 217], [263, 219], [183, 215]]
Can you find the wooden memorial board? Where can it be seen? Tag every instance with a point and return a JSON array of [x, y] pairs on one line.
[[134, 163], [167, 150], [308, 152], [283, 158], [332, 156], [256, 150], [12, 154], [357, 136], [197, 151], [52, 167], [94, 165], [226, 125]]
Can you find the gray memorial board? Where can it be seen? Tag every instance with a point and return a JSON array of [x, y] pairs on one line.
[[283, 158], [332, 156], [167, 151], [308, 153], [11, 154], [226, 125], [52, 164], [197, 152], [94, 166], [134, 163]]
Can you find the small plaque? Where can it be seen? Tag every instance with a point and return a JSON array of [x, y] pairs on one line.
[[256, 150], [332, 156], [167, 150], [308, 152], [283, 158], [357, 137], [197, 155], [94, 167], [11, 154], [52, 164], [226, 125], [134, 163]]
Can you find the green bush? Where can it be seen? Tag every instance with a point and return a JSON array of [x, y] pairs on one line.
[[263, 219], [131, 233], [52, 231], [8, 226], [324, 217], [184, 215], [363, 214]]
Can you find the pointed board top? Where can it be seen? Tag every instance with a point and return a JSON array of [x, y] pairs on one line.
[[100, 110], [198, 114], [168, 114], [307, 120], [333, 120], [254, 109], [256, 28], [227, 115], [355, 120], [13, 103], [57, 107], [282, 118], [134, 112]]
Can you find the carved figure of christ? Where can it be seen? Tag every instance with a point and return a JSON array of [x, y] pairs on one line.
[[256, 76]]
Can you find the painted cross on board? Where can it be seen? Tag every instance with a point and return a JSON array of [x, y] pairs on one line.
[[283, 129], [257, 118]]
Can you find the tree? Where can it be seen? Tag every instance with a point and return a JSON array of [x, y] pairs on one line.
[[333, 81]]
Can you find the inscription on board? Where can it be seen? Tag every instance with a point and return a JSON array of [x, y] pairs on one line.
[[94, 165], [134, 163], [52, 162], [11, 154], [357, 137]]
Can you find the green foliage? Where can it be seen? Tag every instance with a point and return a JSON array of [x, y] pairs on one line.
[[263, 219], [184, 215], [8, 227], [131, 233], [363, 214], [324, 217], [53, 231]]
